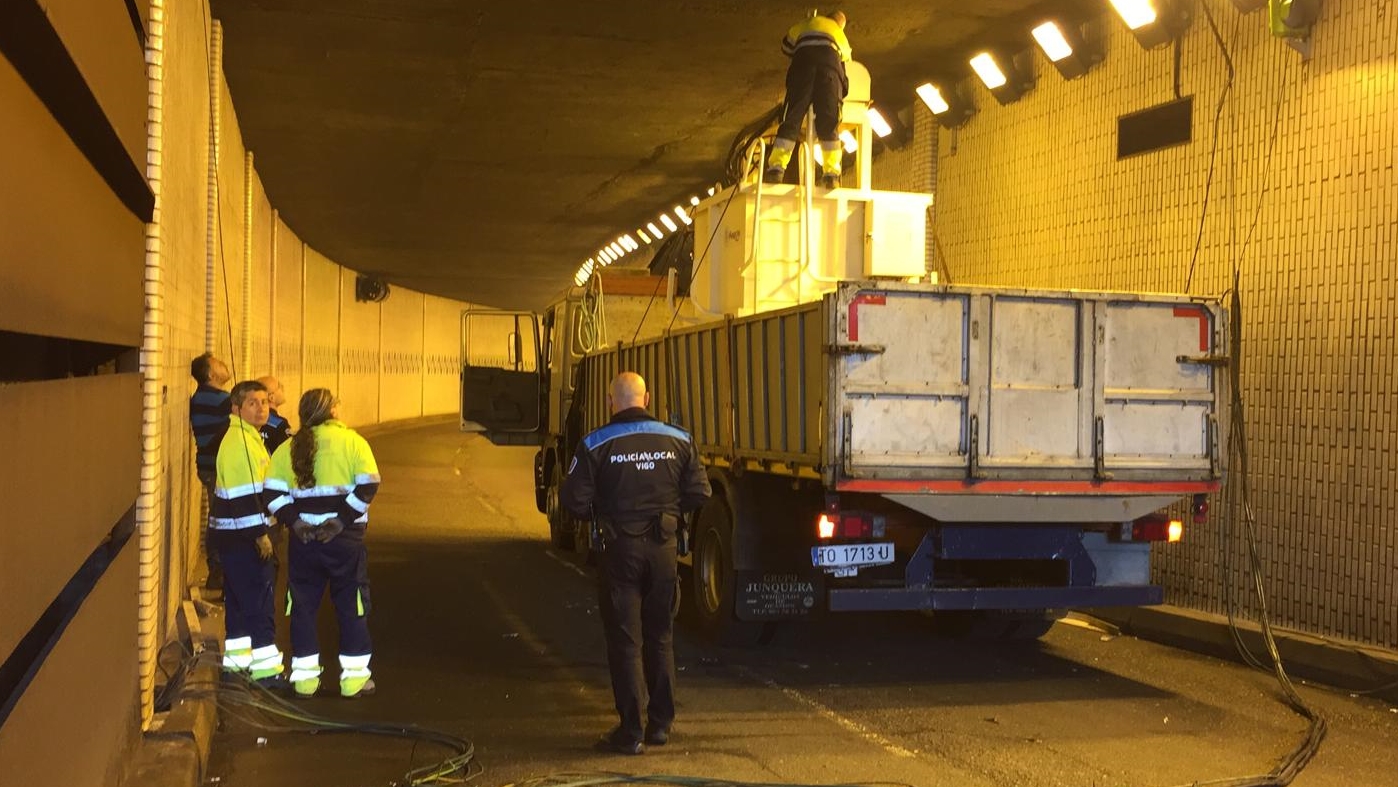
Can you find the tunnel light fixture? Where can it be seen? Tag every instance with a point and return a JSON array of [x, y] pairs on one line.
[[879, 124], [644, 236], [669, 222], [682, 216], [850, 143], [951, 108], [630, 242], [1071, 49], [694, 201], [655, 231], [1154, 23], [712, 190], [1008, 77], [616, 250]]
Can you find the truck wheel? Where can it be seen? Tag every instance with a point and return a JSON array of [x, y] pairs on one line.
[[994, 625], [713, 591], [560, 523]]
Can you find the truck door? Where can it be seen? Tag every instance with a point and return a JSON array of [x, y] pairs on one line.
[[502, 388]]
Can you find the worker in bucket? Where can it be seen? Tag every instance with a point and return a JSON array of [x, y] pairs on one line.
[[636, 478], [816, 78]]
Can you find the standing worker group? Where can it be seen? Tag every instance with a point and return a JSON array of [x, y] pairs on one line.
[[323, 480], [816, 78], [637, 478]]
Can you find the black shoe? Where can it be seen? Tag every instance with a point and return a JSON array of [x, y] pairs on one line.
[[619, 742], [657, 736]]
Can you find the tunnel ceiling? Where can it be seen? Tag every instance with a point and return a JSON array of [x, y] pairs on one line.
[[481, 150]]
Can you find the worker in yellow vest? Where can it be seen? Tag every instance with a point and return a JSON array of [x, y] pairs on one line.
[[238, 534], [816, 79], [323, 480]]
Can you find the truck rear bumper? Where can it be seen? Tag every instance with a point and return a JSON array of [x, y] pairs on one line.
[[875, 599]]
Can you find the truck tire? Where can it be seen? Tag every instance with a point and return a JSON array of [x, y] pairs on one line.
[[994, 625], [560, 522], [713, 591]]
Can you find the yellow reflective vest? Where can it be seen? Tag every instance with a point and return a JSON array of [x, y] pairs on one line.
[[346, 479], [240, 470], [817, 31]]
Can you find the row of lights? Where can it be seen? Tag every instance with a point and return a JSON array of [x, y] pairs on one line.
[[1153, 22]]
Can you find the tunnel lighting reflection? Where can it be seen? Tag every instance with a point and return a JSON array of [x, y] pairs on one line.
[[668, 222], [1051, 40], [879, 124], [986, 68], [932, 97], [851, 144]]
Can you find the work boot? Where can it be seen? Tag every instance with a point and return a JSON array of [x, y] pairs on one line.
[[657, 735], [830, 181], [619, 742], [306, 687], [352, 688], [774, 175]]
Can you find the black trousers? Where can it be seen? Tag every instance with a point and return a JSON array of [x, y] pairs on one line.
[[637, 595], [343, 565], [248, 588], [815, 77]]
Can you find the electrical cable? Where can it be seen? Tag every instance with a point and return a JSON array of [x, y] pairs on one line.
[[1213, 154]]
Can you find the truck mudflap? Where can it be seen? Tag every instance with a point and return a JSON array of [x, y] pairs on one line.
[[778, 595], [876, 599]]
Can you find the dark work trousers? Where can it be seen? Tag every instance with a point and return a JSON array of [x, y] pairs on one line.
[[206, 479], [636, 592], [249, 598], [343, 565], [815, 77]]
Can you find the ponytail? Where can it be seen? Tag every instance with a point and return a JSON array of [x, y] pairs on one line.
[[315, 409]]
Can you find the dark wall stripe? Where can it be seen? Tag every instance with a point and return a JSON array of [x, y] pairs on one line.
[[30, 43], [23, 664], [136, 21]]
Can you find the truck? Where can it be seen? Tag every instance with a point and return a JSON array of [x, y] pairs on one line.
[[877, 439]]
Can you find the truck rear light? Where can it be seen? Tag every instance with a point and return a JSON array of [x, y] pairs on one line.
[[856, 526], [1200, 509], [1157, 528], [825, 527]]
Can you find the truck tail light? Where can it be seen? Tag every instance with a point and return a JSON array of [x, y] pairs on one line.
[[1200, 509], [837, 524], [825, 527], [1157, 528]]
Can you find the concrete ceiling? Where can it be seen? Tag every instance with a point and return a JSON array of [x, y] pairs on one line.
[[481, 150]]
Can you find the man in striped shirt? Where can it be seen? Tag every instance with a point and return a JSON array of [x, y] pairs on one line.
[[208, 420], [238, 518]]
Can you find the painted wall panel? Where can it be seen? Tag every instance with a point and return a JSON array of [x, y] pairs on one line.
[[92, 671], [260, 313], [359, 356], [56, 511], [286, 323], [1299, 205], [400, 387], [101, 40], [71, 252], [322, 324], [228, 287], [442, 347]]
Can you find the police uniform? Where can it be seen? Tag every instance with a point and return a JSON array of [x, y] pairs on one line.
[[637, 475], [237, 518], [818, 50], [346, 480], [276, 431]]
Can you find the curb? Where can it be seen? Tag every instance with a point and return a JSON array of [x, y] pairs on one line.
[[1344, 665]]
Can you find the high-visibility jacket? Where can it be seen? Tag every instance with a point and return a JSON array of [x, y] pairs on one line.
[[817, 31], [346, 479], [241, 470]]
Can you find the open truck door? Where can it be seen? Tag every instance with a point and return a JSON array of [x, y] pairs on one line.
[[502, 379]]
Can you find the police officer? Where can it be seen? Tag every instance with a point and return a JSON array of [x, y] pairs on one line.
[[637, 477], [322, 481], [238, 536], [816, 77]]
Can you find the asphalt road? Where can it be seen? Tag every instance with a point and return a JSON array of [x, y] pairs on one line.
[[483, 631]]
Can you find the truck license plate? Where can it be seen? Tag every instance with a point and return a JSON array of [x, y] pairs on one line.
[[841, 555]]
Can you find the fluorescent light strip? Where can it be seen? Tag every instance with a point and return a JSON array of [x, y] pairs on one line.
[[877, 122], [1051, 39], [932, 97], [851, 144], [682, 216], [986, 68], [1135, 13], [654, 230], [668, 222]]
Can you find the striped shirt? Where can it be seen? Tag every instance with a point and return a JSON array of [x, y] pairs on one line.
[[208, 419]]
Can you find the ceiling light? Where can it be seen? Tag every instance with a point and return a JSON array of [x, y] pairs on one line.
[[679, 212], [1073, 50], [627, 239], [932, 97], [712, 189], [694, 201], [877, 122], [989, 72], [655, 231], [1153, 22], [644, 236], [851, 144], [668, 222]]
